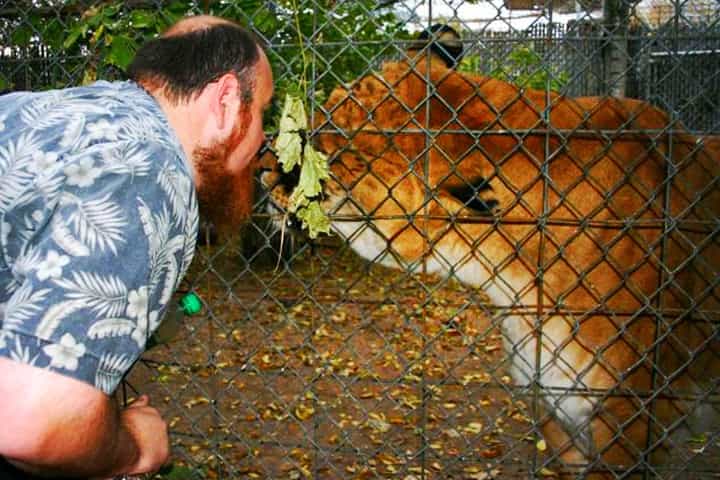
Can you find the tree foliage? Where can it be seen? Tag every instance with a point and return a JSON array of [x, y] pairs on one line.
[[313, 45], [311, 42], [523, 66]]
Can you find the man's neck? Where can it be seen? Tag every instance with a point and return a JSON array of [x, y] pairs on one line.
[[183, 121], [180, 119]]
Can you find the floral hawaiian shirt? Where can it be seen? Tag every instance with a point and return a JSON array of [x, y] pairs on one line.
[[98, 221]]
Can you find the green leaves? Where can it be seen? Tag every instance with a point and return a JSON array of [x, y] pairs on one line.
[[523, 66], [21, 36], [289, 144], [96, 36], [112, 33], [5, 84], [98, 39], [314, 219], [122, 51], [293, 117], [77, 31], [142, 19], [289, 150], [314, 170], [313, 167]]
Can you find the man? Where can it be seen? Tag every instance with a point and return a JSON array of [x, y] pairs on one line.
[[98, 220]]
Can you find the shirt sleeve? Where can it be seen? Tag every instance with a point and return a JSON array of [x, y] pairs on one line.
[[96, 255]]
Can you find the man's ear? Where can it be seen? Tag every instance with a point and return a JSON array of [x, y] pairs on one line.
[[225, 104]]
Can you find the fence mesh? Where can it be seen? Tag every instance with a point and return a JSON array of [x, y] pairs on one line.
[[518, 286]]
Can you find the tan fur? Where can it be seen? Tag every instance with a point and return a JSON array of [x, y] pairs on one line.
[[575, 245]]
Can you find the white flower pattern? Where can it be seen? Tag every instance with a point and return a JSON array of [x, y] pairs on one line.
[[66, 353], [43, 161], [102, 129], [138, 303], [82, 173], [52, 266], [85, 272]]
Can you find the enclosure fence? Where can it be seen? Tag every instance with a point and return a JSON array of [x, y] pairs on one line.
[[516, 285]]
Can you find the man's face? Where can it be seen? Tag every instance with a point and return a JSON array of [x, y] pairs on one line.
[[249, 136], [227, 167]]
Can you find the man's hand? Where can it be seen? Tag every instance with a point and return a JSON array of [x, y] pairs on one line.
[[149, 432]]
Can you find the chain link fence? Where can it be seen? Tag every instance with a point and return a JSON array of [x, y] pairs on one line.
[[533, 295]]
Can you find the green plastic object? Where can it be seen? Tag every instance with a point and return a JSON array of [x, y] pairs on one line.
[[190, 304]]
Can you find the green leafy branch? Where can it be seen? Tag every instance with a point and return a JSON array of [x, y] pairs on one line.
[[114, 33], [295, 150]]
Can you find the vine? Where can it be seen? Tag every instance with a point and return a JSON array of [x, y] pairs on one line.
[[294, 149]]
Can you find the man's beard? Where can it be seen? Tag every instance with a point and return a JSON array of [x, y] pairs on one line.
[[224, 198]]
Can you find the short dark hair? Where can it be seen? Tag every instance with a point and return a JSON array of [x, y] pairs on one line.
[[183, 64]]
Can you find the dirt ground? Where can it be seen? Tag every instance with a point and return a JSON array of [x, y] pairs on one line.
[[325, 366]]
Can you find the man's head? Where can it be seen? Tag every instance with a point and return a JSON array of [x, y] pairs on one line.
[[213, 80]]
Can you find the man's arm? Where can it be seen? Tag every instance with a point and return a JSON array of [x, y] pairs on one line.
[[52, 424]]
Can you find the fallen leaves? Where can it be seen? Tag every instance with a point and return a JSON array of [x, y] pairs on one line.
[[378, 422], [546, 472], [304, 411], [474, 428], [474, 472], [196, 401], [492, 452], [476, 377], [329, 378]]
